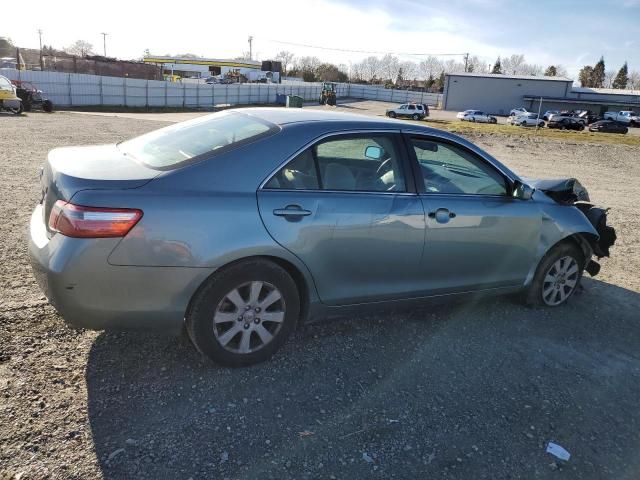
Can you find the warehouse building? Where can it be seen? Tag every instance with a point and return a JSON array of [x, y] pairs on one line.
[[498, 94]]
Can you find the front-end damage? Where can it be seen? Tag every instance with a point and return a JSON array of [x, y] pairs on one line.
[[570, 192]]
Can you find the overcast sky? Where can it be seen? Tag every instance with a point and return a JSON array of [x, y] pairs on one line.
[[570, 33]]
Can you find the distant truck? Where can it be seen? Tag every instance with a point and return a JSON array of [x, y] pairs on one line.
[[625, 116]]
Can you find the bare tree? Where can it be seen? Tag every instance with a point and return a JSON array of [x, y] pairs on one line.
[[475, 65], [81, 48], [244, 56], [430, 67], [634, 80], [609, 75], [371, 68], [409, 70], [286, 58], [390, 67], [513, 65]]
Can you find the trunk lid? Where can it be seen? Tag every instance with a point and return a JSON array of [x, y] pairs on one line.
[[71, 169]]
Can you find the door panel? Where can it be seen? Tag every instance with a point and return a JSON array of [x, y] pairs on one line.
[[358, 246], [476, 242]]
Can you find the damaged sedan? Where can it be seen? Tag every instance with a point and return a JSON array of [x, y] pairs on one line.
[[242, 224]]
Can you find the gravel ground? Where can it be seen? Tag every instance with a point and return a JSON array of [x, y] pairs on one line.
[[472, 390]]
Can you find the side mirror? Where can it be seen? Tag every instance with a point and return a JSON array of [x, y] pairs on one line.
[[522, 191], [373, 152]]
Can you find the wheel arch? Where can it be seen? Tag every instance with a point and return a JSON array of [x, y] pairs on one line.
[[302, 283]]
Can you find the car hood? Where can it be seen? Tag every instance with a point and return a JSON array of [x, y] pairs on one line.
[[562, 190]]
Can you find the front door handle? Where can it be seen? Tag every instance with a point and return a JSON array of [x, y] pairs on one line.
[[291, 212], [442, 215]]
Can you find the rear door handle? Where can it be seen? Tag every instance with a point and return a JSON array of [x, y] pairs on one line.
[[291, 211]]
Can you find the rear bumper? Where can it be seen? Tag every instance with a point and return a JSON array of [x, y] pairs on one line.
[[90, 293]]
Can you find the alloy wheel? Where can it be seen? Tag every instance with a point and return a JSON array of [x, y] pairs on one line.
[[560, 281], [249, 317]]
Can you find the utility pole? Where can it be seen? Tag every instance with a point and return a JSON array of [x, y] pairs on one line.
[[466, 62], [250, 47], [41, 59], [104, 42]]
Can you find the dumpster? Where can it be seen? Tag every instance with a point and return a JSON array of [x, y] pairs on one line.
[[281, 99], [294, 101]]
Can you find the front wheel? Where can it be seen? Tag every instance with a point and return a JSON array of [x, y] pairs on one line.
[[415, 116], [392, 114], [47, 106], [244, 313], [557, 276]]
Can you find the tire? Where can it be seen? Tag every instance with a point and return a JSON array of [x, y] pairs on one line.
[[581, 128], [392, 114], [542, 292], [415, 116], [47, 106], [493, 121], [523, 124], [541, 124], [213, 317]]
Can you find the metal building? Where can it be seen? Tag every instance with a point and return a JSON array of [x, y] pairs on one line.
[[498, 94]]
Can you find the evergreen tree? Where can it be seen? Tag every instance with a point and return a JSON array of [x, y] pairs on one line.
[[622, 78], [597, 77], [551, 71], [497, 67], [586, 76]]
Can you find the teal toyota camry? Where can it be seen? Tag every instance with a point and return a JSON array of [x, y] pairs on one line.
[[242, 224]]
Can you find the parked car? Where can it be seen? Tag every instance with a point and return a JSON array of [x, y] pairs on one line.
[[557, 116], [565, 123], [526, 120], [588, 115], [416, 111], [518, 111], [608, 126], [242, 224], [547, 115], [476, 116], [31, 96], [9, 100], [625, 116]]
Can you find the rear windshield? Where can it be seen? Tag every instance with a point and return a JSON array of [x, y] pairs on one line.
[[183, 142]]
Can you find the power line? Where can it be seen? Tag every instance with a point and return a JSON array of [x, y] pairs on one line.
[[365, 51]]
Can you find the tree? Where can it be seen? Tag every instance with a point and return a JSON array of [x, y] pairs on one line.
[[609, 75], [327, 72], [286, 58], [244, 56], [598, 74], [80, 48], [551, 71], [512, 65], [497, 67], [621, 80], [634, 80], [430, 67], [586, 76], [390, 67], [438, 85]]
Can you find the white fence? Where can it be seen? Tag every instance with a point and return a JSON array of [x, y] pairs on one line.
[[73, 89]]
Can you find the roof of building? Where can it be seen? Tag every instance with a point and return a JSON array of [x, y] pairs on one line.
[[607, 91], [577, 100], [510, 77], [218, 62]]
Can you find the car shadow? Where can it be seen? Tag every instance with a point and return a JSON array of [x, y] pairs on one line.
[[415, 392]]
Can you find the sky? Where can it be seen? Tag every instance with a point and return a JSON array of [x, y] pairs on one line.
[[566, 32]]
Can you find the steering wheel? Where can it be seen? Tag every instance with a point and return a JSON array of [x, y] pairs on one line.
[[384, 167]]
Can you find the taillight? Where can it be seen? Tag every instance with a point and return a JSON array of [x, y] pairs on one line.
[[92, 222]]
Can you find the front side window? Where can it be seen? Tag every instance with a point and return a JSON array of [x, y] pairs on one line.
[[359, 163], [449, 169], [172, 146]]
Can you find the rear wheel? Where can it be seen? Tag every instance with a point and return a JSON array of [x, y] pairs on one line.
[[557, 276], [392, 114], [244, 313], [415, 116]]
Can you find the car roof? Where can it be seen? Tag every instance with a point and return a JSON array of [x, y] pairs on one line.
[[286, 116]]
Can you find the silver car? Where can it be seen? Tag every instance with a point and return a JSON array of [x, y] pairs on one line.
[[241, 224]]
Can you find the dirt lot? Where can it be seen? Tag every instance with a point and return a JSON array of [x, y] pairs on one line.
[[464, 391]]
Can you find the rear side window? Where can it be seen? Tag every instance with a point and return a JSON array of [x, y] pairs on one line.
[[184, 142]]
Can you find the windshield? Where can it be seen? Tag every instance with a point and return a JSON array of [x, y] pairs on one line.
[[172, 146]]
